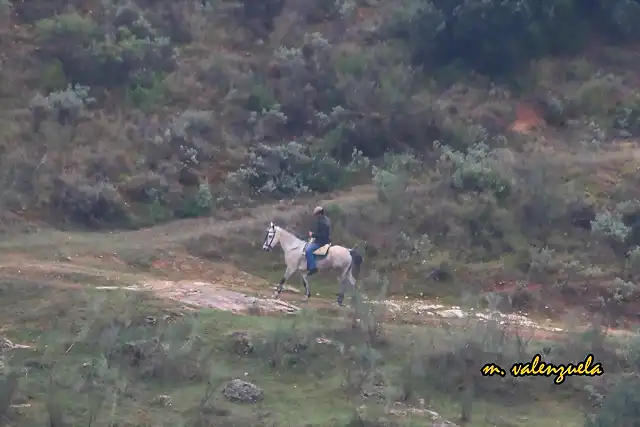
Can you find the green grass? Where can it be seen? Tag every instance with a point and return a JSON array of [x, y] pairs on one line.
[[67, 328]]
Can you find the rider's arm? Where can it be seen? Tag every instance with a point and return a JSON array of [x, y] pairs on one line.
[[317, 229], [322, 230]]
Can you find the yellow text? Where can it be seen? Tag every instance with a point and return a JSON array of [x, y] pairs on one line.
[[537, 367], [491, 369]]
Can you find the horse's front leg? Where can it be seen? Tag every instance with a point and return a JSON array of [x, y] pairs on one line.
[[287, 274]]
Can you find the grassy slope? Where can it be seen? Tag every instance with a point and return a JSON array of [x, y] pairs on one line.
[[311, 395]]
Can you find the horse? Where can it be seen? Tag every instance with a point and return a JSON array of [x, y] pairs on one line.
[[329, 257]]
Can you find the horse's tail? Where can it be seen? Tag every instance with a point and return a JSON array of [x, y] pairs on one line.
[[356, 262]]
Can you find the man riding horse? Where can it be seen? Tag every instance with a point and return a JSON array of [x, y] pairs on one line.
[[299, 255], [321, 236]]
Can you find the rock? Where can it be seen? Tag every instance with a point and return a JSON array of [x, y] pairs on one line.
[[242, 391], [5, 344], [241, 342], [161, 400], [374, 392]]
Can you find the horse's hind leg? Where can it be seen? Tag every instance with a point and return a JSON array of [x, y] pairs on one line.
[[342, 281], [346, 277], [305, 281]]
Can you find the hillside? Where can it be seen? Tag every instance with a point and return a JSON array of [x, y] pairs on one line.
[[478, 153]]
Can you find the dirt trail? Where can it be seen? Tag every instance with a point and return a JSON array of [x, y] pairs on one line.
[[180, 231], [187, 229]]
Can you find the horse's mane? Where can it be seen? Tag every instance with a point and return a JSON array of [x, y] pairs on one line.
[[288, 231]]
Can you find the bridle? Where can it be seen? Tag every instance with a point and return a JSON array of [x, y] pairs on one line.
[[271, 236]]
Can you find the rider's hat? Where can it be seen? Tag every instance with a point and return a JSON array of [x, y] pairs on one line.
[[317, 210]]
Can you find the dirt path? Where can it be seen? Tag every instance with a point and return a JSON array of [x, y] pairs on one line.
[[180, 231]]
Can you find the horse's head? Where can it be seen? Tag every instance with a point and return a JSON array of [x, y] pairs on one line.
[[272, 238]]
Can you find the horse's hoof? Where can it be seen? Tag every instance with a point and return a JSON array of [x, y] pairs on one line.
[[306, 297], [275, 295]]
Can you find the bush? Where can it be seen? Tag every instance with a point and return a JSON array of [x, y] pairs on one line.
[[391, 179], [461, 353], [65, 106], [288, 171], [621, 407], [306, 81], [610, 225], [380, 108], [91, 204], [186, 145], [495, 36], [198, 204], [259, 15], [626, 117], [477, 170], [110, 54]]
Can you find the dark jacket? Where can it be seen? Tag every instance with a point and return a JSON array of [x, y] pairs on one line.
[[322, 231]]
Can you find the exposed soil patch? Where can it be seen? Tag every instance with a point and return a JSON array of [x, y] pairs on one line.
[[210, 295]]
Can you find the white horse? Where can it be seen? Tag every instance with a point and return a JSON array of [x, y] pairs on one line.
[[329, 257]]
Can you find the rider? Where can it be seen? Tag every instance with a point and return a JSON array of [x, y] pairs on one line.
[[321, 236]]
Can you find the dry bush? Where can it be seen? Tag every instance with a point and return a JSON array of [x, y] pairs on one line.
[[619, 407], [147, 347], [294, 345]]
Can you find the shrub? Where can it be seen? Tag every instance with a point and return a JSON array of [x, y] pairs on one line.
[[458, 354], [545, 201], [66, 105], [626, 117], [200, 204], [190, 138], [284, 345], [495, 36], [91, 204], [391, 179], [146, 187], [259, 16], [288, 171], [379, 103], [611, 225], [147, 90], [105, 55], [306, 81], [620, 407], [187, 124], [477, 170]]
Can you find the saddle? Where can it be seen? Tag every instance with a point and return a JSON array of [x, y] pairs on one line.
[[321, 251]]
